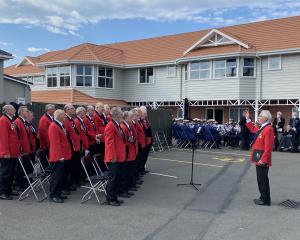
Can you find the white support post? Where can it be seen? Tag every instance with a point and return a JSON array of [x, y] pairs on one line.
[[256, 108]]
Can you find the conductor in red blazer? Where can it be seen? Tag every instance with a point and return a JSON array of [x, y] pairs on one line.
[[60, 152], [261, 154], [43, 126], [9, 151], [115, 153]]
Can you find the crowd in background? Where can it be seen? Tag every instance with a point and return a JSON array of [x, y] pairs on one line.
[[236, 134]]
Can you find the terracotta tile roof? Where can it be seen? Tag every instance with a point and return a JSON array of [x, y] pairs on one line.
[[278, 34], [24, 69], [70, 96]]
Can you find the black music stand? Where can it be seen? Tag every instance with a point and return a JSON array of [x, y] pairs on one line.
[[191, 183]]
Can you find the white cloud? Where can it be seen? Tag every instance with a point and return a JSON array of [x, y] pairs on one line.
[[4, 43], [34, 49], [67, 17]]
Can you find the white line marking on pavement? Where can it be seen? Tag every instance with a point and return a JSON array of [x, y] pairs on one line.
[[213, 152], [163, 175], [179, 161]]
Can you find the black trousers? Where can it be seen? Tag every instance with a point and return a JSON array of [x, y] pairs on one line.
[[76, 173], [145, 156], [245, 141], [131, 173], [295, 142], [56, 178], [263, 183], [112, 181], [44, 156], [7, 166], [67, 173]]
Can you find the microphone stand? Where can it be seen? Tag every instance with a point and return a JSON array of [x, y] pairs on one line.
[[191, 183]]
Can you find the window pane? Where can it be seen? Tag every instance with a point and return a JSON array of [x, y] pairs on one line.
[[88, 81], [231, 72], [185, 72], [88, 70], [194, 66], [109, 72], [150, 79], [204, 74], [220, 64], [172, 71], [149, 75], [101, 82], [101, 72], [39, 80], [209, 114], [274, 62], [79, 70], [52, 71], [234, 114], [64, 70], [64, 81], [231, 63], [142, 75], [109, 83], [79, 81], [194, 75], [204, 65], [248, 62], [248, 72], [220, 73]]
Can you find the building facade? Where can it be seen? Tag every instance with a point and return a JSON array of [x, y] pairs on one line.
[[220, 71]]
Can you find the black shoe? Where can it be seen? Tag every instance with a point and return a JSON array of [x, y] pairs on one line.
[[130, 193], [124, 195], [71, 188], [260, 202], [56, 199], [5, 197], [112, 203], [13, 193], [134, 189], [119, 201], [146, 171], [63, 196], [66, 192], [139, 182]]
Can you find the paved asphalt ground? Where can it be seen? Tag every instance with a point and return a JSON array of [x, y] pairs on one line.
[[223, 209]]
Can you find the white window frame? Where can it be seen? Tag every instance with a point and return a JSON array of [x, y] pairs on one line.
[[139, 69], [225, 77], [57, 76], [254, 68], [70, 75], [97, 77], [84, 75], [200, 70], [168, 72], [280, 63]]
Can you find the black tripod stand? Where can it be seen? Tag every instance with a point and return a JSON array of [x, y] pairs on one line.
[[192, 171]]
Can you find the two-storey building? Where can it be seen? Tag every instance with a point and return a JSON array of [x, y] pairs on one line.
[[220, 71]]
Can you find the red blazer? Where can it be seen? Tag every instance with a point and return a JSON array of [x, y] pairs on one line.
[[73, 132], [60, 146], [9, 139], [91, 130], [44, 124], [131, 149], [32, 138], [115, 148], [24, 136], [84, 141], [264, 141], [141, 134], [100, 125]]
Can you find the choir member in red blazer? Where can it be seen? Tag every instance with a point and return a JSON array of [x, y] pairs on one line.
[[115, 153], [9, 151], [148, 134], [129, 171], [72, 167], [60, 151], [261, 153], [93, 137], [43, 137], [107, 112], [84, 141], [21, 123], [100, 120]]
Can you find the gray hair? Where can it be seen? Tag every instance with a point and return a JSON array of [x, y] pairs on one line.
[[266, 114], [90, 107], [22, 109], [115, 111], [79, 109], [127, 114], [58, 112], [143, 109], [67, 106], [49, 107], [106, 106], [5, 108]]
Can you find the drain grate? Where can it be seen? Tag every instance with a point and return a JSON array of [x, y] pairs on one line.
[[290, 204]]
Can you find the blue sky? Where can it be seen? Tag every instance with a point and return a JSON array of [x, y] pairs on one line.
[[32, 27]]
